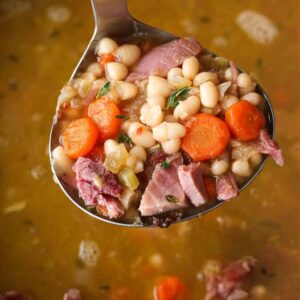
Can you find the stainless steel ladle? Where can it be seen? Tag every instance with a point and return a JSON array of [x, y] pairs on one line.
[[112, 19]]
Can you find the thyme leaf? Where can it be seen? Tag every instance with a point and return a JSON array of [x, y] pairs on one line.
[[104, 90], [125, 139], [165, 164], [123, 117], [177, 96]]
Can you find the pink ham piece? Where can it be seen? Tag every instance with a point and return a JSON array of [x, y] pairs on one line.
[[164, 182], [226, 187], [227, 284], [162, 58], [191, 180], [72, 294], [13, 295], [88, 175], [268, 146]]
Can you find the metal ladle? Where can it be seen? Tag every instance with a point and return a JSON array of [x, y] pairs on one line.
[[112, 19]]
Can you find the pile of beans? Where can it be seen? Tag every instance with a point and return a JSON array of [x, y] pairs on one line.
[[209, 81]]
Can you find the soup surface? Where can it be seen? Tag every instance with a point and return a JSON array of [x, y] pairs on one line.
[[45, 239]]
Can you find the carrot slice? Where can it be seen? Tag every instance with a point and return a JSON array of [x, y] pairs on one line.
[[104, 113], [79, 137], [106, 58], [245, 121], [171, 288], [206, 138]]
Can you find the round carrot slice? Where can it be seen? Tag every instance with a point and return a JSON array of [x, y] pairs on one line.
[[79, 137], [104, 113], [245, 121], [206, 138], [171, 288]]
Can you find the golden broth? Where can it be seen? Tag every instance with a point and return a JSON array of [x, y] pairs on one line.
[[40, 230]]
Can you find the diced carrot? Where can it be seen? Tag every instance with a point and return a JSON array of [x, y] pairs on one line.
[[106, 58], [171, 288], [206, 138], [84, 111], [79, 137], [245, 121], [104, 113], [97, 153], [210, 186]]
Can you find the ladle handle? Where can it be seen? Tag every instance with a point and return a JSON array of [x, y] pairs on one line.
[[111, 16]]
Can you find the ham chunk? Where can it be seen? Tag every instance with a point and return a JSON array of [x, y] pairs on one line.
[[164, 183], [226, 187], [72, 294], [98, 186], [268, 146], [227, 284], [191, 180], [162, 58]]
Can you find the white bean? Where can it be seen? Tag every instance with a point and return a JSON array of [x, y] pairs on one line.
[[66, 94], [141, 135], [219, 167], [174, 72], [82, 86], [256, 159], [151, 115], [187, 108], [158, 86], [116, 71], [139, 152], [190, 67], [171, 146], [131, 161], [204, 77], [125, 125], [212, 111], [128, 54], [244, 91], [180, 82], [244, 80], [61, 162], [168, 131], [105, 46], [241, 167], [228, 101], [209, 94], [128, 198], [228, 74], [157, 99], [139, 167], [110, 146], [253, 98], [88, 76], [96, 69], [126, 90]]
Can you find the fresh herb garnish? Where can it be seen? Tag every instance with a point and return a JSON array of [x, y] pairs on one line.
[[122, 117], [165, 164], [125, 139], [171, 198], [177, 96], [104, 90]]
